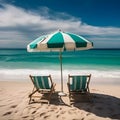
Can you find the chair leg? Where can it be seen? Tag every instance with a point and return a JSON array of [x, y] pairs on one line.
[[30, 96], [69, 99], [29, 99], [89, 94]]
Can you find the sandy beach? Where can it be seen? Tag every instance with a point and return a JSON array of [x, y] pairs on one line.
[[14, 104]]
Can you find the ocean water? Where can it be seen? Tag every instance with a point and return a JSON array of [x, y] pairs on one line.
[[104, 65]]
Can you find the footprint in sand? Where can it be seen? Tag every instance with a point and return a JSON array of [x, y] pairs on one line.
[[57, 116], [33, 112], [47, 116], [51, 110], [42, 114], [13, 106], [16, 111], [25, 116], [7, 113], [57, 111]]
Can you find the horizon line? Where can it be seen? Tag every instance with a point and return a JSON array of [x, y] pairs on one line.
[[89, 49]]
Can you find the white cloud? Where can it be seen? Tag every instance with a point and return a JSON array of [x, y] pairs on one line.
[[21, 24], [12, 16]]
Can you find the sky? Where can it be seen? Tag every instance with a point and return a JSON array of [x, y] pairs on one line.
[[22, 21]]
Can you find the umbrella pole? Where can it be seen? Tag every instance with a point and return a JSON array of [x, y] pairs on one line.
[[61, 71], [61, 93]]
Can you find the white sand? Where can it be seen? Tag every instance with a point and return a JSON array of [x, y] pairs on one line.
[[14, 104]]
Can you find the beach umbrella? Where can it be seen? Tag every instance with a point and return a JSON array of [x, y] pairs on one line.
[[59, 41]]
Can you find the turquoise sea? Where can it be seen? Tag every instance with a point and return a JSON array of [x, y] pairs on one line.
[[103, 64]]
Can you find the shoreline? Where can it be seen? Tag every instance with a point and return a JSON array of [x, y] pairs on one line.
[[14, 103], [94, 80]]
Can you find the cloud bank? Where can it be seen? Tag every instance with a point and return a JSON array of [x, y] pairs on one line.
[[18, 27]]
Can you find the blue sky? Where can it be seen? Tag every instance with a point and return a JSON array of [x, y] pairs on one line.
[[22, 21]]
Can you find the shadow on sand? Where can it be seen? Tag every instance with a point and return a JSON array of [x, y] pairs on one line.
[[102, 105]]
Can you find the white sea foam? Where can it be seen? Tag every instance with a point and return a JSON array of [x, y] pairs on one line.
[[23, 74]]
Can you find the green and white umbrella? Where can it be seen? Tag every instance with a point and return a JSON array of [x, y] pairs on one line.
[[59, 41]]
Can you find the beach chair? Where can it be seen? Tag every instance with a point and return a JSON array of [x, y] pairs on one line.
[[78, 84], [43, 85]]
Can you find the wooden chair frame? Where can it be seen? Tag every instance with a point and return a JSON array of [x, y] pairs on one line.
[[49, 92], [72, 92]]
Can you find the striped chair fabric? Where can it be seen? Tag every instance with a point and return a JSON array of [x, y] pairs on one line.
[[41, 82], [78, 83], [43, 85]]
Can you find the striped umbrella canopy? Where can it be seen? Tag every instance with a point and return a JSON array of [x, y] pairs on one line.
[[59, 41]]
